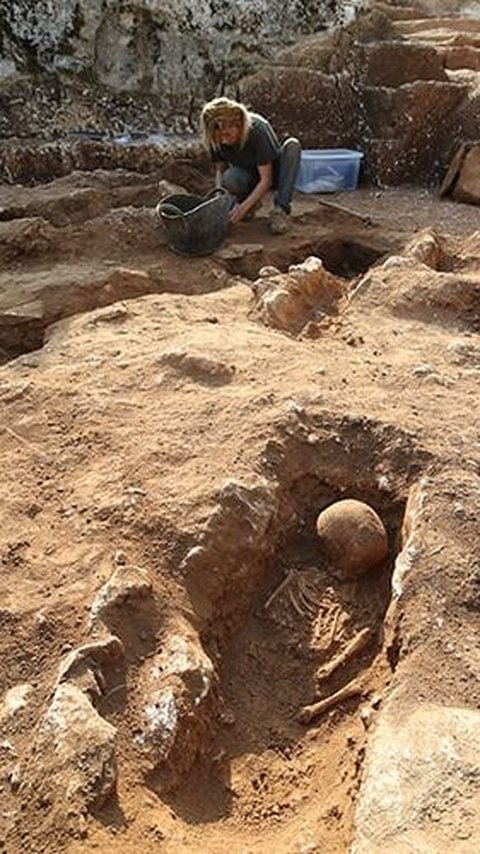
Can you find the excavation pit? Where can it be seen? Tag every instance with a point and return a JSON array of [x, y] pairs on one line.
[[347, 256], [290, 634]]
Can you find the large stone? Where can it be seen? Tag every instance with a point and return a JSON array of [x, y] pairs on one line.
[[407, 127], [420, 790], [394, 63], [353, 536], [177, 704], [460, 57], [318, 108], [231, 552], [73, 759], [467, 188], [289, 300]]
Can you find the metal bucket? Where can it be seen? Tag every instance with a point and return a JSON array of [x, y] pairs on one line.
[[195, 225]]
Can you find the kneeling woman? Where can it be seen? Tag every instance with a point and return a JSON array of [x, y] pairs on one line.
[[250, 160]]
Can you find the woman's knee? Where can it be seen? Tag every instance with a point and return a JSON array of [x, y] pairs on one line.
[[291, 149], [236, 181]]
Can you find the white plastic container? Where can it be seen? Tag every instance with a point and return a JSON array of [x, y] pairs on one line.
[[328, 170]]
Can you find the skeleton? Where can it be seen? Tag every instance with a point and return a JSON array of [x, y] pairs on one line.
[[356, 645], [298, 589], [357, 686], [301, 593]]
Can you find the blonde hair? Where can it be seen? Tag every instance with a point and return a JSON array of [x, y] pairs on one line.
[[222, 112]]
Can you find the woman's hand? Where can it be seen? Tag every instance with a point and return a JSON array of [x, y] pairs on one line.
[[236, 214], [239, 211]]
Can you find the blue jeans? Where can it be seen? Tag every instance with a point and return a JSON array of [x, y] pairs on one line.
[[240, 183]]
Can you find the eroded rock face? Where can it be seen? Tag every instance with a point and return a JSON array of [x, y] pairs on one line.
[[467, 188], [179, 50]]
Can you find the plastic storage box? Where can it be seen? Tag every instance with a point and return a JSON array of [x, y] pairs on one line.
[[328, 170]]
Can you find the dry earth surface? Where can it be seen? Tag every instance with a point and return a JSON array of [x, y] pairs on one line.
[[182, 667], [165, 453]]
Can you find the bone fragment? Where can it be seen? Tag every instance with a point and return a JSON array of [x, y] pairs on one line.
[[336, 617], [296, 605], [309, 713], [306, 602], [353, 647], [290, 574]]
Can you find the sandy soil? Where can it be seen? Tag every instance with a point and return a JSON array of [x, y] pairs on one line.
[[161, 415]]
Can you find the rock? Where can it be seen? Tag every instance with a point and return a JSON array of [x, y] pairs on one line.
[[423, 370], [467, 188], [202, 369], [268, 272], [232, 551], [426, 247], [241, 259], [178, 52], [464, 353], [26, 237], [407, 128], [127, 584], [341, 90], [15, 698], [166, 188], [419, 791], [353, 536], [463, 56], [394, 63], [178, 708], [73, 759], [318, 108], [87, 666], [290, 300]]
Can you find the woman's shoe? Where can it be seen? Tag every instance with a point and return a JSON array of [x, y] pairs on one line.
[[279, 221]]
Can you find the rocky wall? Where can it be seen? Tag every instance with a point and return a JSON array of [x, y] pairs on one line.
[[179, 49], [466, 8]]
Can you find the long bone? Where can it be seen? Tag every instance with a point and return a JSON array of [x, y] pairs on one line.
[[308, 713], [353, 647]]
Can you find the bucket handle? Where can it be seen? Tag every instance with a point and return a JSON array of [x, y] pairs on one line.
[[217, 191], [175, 212]]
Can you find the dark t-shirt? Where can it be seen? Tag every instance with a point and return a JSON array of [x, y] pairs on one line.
[[261, 147]]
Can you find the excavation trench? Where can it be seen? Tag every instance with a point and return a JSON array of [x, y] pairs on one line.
[[22, 332], [347, 255], [272, 629]]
